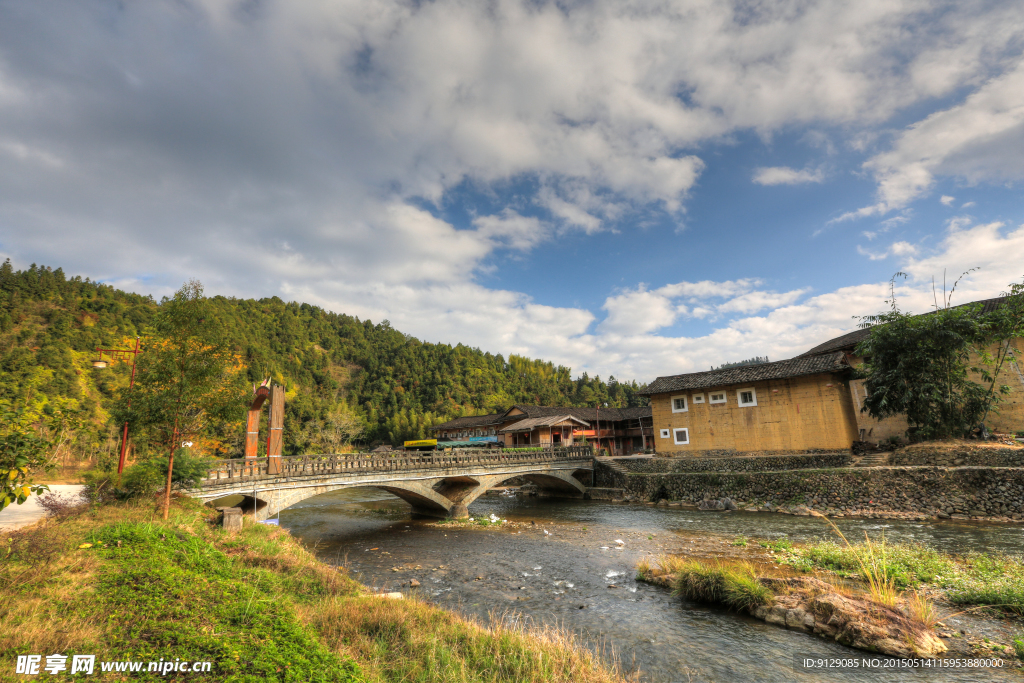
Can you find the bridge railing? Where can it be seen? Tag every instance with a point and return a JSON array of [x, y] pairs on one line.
[[359, 463]]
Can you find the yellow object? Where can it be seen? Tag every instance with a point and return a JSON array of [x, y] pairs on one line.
[[420, 443], [85, 545]]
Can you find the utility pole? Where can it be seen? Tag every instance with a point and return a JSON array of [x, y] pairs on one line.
[[122, 354]]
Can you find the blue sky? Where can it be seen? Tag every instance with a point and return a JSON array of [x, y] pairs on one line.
[[626, 188]]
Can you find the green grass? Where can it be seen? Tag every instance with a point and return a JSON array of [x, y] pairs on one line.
[[908, 565], [736, 587], [973, 579], [780, 546], [740, 541], [472, 521], [255, 603]]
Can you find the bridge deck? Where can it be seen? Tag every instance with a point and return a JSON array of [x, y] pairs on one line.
[[223, 471]]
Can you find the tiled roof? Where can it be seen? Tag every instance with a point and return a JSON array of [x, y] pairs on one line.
[[529, 423], [847, 341], [744, 374], [470, 422], [586, 414], [841, 343]]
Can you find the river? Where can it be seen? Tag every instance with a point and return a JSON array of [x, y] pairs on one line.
[[563, 565]]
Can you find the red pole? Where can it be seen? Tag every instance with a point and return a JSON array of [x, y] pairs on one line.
[[124, 437]]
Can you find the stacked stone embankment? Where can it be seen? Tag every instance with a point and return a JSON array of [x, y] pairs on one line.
[[958, 456], [744, 463], [918, 491]]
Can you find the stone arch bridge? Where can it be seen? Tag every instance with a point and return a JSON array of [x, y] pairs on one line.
[[436, 484]]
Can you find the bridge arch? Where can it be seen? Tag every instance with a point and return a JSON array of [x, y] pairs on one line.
[[443, 497]]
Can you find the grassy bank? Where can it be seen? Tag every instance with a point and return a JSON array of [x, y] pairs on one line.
[[972, 579], [806, 603], [118, 582]]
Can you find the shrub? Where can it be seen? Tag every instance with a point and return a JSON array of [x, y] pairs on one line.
[[140, 480], [701, 582], [737, 587], [62, 504], [743, 591]]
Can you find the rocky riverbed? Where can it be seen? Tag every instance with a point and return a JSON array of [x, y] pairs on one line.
[[578, 575]]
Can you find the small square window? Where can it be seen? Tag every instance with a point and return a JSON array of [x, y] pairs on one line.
[[679, 404], [746, 397], [716, 397], [664, 433], [698, 398], [682, 436]]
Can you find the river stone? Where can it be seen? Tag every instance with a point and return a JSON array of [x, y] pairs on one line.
[[776, 615], [795, 619], [728, 504]]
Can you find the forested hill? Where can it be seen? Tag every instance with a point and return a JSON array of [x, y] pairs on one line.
[[394, 384]]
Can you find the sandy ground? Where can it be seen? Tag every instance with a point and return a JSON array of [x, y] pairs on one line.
[[14, 516]]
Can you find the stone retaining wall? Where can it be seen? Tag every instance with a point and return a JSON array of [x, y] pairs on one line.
[[977, 456], [732, 453], [968, 491], [739, 464]]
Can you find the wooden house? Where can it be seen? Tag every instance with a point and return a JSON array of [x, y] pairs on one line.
[[617, 430]]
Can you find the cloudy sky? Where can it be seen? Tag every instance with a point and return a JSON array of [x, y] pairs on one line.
[[627, 188]]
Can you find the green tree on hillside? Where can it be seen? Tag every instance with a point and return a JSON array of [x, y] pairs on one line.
[[331, 362], [187, 377]]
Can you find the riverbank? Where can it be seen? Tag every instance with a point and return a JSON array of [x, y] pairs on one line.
[[898, 599], [937, 480], [118, 582], [578, 576]]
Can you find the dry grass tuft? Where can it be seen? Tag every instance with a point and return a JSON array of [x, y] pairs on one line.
[[871, 557], [411, 641], [922, 610]]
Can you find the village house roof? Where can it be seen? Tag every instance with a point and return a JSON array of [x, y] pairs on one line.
[[531, 423], [745, 374], [847, 342], [472, 422], [584, 413]]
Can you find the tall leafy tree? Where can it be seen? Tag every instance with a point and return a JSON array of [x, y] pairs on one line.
[[1005, 324], [920, 366], [187, 378], [34, 429]]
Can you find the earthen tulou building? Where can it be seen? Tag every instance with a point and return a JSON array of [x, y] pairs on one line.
[[807, 403]]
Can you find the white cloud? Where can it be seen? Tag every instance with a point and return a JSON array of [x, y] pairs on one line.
[[511, 230], [292, 148], [977, 140], [895, 249], [947, 200], [783, 175]]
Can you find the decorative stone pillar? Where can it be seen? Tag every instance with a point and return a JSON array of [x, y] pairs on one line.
[[276, 424], [232, 518]]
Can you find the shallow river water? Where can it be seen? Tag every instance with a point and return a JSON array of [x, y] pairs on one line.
[[568, 569]]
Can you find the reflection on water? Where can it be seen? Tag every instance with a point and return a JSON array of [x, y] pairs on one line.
[[583, 579]]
